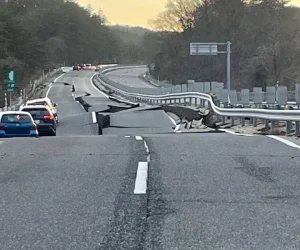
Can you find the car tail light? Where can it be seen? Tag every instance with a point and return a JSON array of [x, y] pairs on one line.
[[49, 116], [1, 126], [33, 127]]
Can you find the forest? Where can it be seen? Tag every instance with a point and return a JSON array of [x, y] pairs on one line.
[[265, 37], [37, 35]]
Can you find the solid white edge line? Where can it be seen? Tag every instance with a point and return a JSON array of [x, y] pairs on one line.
[[177, 126], [91, 81], [139, 138], [94, 118], [48, 90], [58, 77], [172, 120], [140, 186], [234, 133], [50, 85], [287, 142]]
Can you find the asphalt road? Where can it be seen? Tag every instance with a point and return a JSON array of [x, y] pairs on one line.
[[129, 77], [159, 191], [73, 119]]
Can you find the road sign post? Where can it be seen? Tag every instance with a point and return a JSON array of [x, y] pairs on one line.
[[11, 81], [211, 49]]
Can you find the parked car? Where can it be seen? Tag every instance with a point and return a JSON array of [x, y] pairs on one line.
[[43, 118], [17, 124], [44, 101]]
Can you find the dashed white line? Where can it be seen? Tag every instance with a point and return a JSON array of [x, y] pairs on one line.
[[94, 118], [287, 142], [139, 138], [140, 186], [91, 81], [127, 136], [234, 133], [1, 142]]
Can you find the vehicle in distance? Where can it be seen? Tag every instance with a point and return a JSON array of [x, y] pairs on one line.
[[46, 102], [43, 118], [76, 67], [17, 124]]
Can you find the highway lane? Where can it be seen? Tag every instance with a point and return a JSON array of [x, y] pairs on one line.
[[129, 77], [219, 191], [82, 82], [204, 191], [73, 119], [70, 193]]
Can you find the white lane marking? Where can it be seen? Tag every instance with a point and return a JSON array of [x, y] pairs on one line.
[[173, 121], [91, 81], [50, 85], [49, 88], [234, 133], [177, 126], [140, 186], [287, 142], [139, 138], [127, 136], [80, 105], [58, 77], [1, 142], [94, 117]]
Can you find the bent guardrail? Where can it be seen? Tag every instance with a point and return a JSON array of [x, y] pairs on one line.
[[267, 115]]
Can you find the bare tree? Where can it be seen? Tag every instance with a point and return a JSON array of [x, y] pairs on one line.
[[178, 16]]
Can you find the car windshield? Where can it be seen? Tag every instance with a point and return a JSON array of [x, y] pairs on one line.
[[16, 118], [40, 112]]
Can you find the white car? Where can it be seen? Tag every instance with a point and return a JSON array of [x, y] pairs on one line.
[[44, 101]]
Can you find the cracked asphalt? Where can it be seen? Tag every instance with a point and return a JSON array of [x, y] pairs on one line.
[[204, 190]]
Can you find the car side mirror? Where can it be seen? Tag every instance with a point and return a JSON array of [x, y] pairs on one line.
[[55, 104]]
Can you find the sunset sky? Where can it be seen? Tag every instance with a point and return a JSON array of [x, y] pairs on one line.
[[132, 12]]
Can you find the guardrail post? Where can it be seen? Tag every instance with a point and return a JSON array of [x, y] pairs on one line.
[[232, 121], [288, 127], [273, 123], [223, 119], [267, 124], [243, 121], [297, 132]]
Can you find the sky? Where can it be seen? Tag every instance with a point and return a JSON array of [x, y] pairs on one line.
[[133, 12]]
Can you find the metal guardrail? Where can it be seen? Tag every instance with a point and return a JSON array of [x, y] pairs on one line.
[[288, 116], [272, 97]]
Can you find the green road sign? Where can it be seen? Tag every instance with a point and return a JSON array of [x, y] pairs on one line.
[[11, 80], [11, 76]]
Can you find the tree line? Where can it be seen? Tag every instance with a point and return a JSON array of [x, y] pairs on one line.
[[37, 35], [265, 37]]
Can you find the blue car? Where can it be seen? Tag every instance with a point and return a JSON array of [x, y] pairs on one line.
[[17, 124]]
